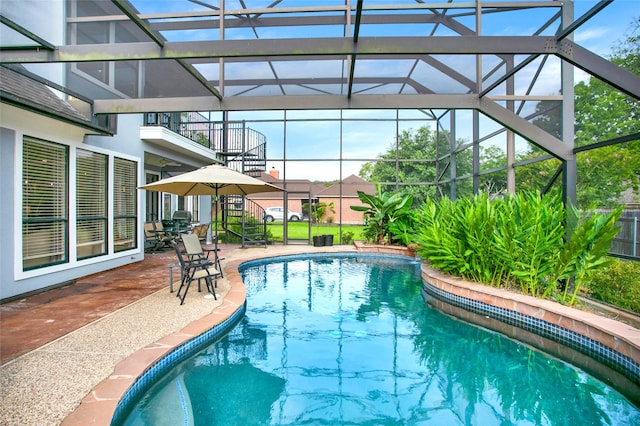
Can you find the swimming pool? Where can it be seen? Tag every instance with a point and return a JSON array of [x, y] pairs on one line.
[[349, 340]]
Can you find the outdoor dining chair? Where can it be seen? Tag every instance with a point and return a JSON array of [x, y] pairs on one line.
[[201, 232], [194, 266], [195, 251], [155, 239]]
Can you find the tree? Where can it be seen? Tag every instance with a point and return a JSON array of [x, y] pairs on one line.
[[416, 162], [604, 113], [601, 113]]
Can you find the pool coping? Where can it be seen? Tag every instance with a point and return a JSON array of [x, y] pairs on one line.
[[605, 347], [616, 335], [99, 406]]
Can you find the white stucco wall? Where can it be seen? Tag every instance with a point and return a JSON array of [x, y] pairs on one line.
[[14, 124]]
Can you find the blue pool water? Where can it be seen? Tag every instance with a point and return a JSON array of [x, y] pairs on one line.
[[350, 340]]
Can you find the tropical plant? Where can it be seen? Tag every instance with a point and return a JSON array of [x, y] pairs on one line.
[[586, 250], [528, 234], [383, 211], [525, 240], [320, 209], [403, 229]]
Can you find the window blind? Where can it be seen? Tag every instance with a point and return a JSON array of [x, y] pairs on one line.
[[44, 203], [91, 203], [125, 208]]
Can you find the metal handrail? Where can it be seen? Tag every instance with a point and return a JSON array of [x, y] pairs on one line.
[[231, 138], [244, 218]]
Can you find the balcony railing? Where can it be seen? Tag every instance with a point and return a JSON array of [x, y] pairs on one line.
[[244, 148]]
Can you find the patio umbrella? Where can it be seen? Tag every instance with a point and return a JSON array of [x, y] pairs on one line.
[[215, 180]]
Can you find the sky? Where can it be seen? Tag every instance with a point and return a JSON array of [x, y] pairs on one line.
[[599, 36], [303, 141], [367, 139]]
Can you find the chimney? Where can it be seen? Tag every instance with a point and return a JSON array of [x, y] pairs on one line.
[[274, 173]]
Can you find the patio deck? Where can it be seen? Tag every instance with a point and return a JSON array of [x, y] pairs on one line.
[[33, 321]]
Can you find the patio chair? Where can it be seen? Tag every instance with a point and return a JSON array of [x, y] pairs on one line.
[[154, 240], [167, 234], [196, 253], [201, 232], [194, 268]]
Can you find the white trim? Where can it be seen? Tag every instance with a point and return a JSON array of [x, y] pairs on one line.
[[72, 214], [73, 262], [144, 199], [168, 139]]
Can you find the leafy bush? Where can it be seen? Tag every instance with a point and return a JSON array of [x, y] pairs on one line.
[[402, 231], [385, 211], [347, 237], [617, 284], [517, 241]]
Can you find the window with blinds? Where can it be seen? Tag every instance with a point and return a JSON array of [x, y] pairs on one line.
[[91, 204], [44, 203], [125, 209], [195, 208]]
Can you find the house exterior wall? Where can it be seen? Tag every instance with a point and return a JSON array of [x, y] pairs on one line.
[[8, 189], [293, 205], [44, 18], [348, 216], [14, 125], [126, 143], [343, 210]]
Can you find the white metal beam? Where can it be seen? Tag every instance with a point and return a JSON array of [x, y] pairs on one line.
[[273, 48], [299, 102]]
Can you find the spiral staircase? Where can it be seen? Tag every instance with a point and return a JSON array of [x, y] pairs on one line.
[[240, 148]]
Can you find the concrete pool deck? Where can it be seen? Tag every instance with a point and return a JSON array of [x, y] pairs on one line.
[[69, 354], [78, 377]]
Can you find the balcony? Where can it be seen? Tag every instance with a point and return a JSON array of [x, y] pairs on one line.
[[233, 143]]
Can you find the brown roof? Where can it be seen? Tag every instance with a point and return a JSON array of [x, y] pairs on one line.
[[23, 92], [350, 187], [296, 188]]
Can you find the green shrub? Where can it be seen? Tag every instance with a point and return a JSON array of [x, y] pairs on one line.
[[347, 237], [383, 211], [517, 241], [617, 284]]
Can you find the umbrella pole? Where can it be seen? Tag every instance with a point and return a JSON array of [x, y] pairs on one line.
[[215, 241]]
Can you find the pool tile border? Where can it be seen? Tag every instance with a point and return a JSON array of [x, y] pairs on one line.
[[168, 361], [110, 399], [610, 342]]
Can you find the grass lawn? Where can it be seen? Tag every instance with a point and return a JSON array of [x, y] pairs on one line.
[[300, 231]]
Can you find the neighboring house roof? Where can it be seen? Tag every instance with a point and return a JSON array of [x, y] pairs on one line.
[[266, 177], [296, 188], [23, 92], [349, 188]]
